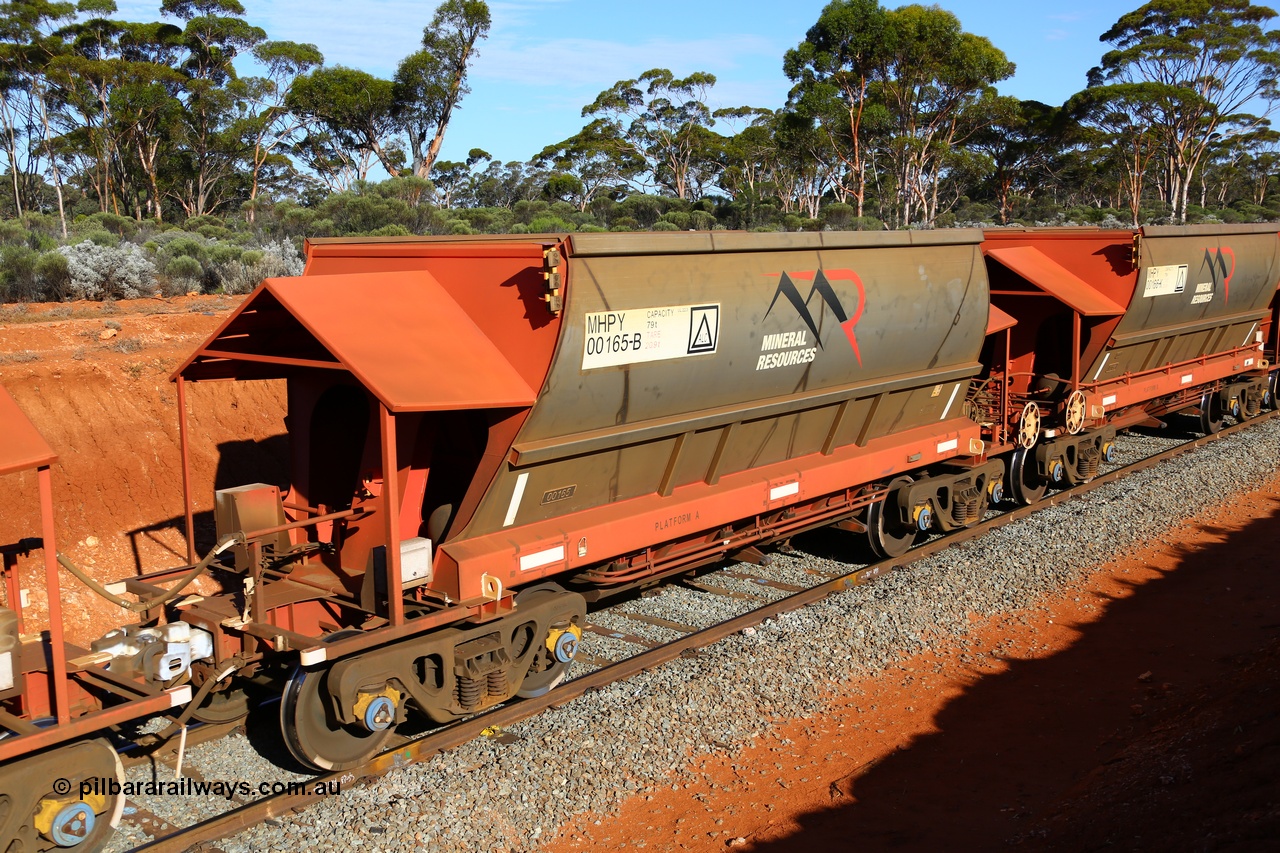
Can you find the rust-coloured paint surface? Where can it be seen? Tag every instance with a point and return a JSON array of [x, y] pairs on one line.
[[998, 321], [21, 447], [1052, 277], [400, 334]]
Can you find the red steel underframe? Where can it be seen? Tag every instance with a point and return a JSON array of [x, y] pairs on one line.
[[522, 555], [1131, 389]]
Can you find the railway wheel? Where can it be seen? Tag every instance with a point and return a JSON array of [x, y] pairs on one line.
[[1029, 426], [888, 535], [1026, 486], [62, 800], [313, 733], [556, 649], [1269, 396], [1211, 413], [1073, 412]]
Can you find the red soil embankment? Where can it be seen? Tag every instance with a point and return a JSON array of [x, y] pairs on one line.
[[95, 380]]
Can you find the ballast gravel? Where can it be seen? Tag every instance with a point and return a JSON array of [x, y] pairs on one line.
[[644, 733]]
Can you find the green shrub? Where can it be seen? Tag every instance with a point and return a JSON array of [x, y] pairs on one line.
[[224, 253], [664, 225], [181, 275], [678, 218], [185, 246], [18, 281], [701, 220], [838, 216], [120, 226], [105, 239], [393, 230], [213, 232], [54, 276], [550, 225], [12, 232]]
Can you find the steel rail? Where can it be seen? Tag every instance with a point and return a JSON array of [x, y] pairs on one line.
[[457, 734]]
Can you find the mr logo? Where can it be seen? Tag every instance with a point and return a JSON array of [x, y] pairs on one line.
[[1219, 271], [821, 285]]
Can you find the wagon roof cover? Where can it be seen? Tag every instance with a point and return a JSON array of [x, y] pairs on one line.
[[399, 333], [1058, 281], [23, 448]]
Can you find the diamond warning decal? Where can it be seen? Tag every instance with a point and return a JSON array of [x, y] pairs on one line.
[[638, 335]]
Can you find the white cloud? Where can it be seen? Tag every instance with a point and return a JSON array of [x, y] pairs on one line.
[[590, 62]]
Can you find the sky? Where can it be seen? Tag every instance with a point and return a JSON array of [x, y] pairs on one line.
[[546, 59]]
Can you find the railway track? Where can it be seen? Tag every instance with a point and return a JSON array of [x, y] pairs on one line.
[[736, 583]]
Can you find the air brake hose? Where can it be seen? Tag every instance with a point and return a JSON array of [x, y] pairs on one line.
[[147, 604]]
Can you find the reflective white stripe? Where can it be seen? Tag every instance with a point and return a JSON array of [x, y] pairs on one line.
[[1186, 380], [515, 499], [950, 400], [1248, 362], [1097, 372], [1250, 335], [1109, 400], [181, 696], [538, 559], [944, 446], [310, 657], [779, 492]]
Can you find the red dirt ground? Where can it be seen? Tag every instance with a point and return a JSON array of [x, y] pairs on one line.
[[103, 400], [1139, 711]]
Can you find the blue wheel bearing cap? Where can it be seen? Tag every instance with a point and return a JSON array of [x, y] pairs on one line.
[[72, 824], [380, 705], [566, 647]]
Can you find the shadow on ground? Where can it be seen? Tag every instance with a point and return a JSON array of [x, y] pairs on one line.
[[1158, 729]]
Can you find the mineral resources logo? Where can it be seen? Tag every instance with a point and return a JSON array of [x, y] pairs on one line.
[[1220, 272], [782, 348]]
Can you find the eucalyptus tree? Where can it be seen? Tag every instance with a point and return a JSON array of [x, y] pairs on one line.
[[750, 171], [833, 70], [353, 122], [597, 158], [1018, 138], [1117, 129], [664, 121], [214, 33], [29, 40], [430, 83], [929, 73], [117, 89], [268, 125], [1198, 68]]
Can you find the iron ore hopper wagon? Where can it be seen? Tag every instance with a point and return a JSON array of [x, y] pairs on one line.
[[487, 433]]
